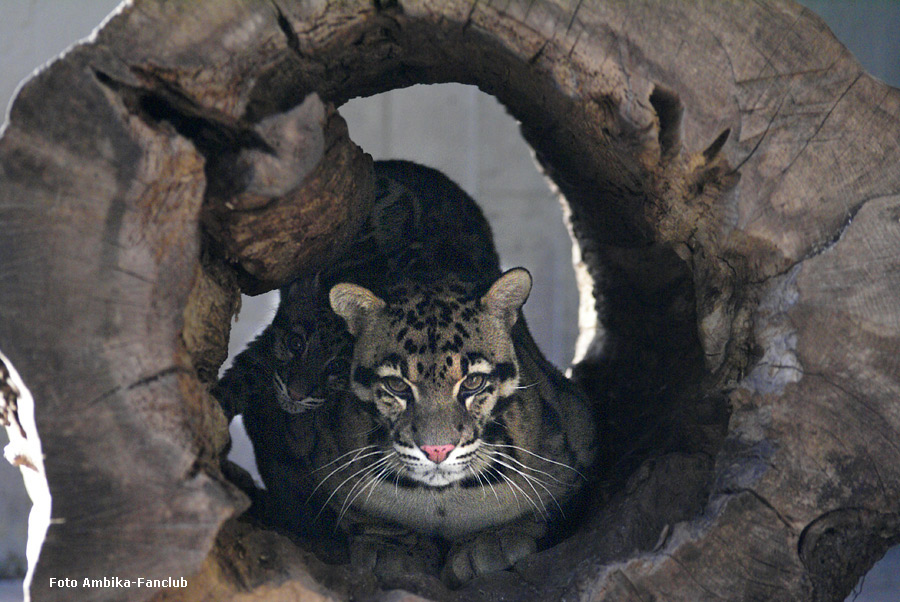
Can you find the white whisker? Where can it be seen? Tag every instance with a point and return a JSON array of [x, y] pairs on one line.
[[514, 492], [495, 454], [513, 484], [342, 467], [369, 432], [371, 468], [344, 455], [538, 456], [480, 482], [379, 477], [523, 492], [371, 483], [532, 480]]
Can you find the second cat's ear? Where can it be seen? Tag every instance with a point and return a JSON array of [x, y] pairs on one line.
[[355, 304], [507, 295], [307, 287]]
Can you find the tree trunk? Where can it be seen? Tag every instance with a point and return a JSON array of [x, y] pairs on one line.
[[731, 177]]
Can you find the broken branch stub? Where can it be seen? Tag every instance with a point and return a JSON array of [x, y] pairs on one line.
[[283, 208]]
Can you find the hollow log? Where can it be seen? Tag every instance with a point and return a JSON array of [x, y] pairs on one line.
[[730, 175]]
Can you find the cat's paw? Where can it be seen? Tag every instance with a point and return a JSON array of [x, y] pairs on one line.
[[485, 553], [393, 560]]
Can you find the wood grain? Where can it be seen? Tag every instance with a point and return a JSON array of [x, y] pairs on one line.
[[732, 179]]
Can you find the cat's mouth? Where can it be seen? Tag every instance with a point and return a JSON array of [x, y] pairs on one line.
[[293, 402], [418, 467], [436, 475]]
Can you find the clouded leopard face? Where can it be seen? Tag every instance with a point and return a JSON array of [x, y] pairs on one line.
[[436, 360], [310, 348]]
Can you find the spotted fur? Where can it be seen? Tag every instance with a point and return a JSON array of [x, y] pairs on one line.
[[477, 436], [443, 421], [421, 223], [300, 359]]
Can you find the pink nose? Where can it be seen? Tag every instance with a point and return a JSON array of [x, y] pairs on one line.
[[438, 453]]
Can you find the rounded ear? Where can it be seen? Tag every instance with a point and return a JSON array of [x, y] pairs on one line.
[[355, 304], [507, 295], [305, 286]]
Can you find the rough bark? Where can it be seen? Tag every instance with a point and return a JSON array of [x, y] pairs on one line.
[[732, 180]]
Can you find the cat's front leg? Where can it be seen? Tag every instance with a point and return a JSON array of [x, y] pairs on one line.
[[491, 550], [394, 554]]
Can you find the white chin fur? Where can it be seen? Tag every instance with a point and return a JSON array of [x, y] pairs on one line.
[[435, 477]]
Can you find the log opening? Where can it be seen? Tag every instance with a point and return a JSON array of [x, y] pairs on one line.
[[647, 370], [645, 373]]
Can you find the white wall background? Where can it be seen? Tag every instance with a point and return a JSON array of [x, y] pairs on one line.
[[458, 130]]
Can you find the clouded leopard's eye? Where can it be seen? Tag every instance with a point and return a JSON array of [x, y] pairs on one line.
[[336, 366], [472, 383], [296, 342], [396, 386]]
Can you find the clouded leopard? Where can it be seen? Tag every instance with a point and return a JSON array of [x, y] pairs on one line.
[[419, 219], [420, 411]]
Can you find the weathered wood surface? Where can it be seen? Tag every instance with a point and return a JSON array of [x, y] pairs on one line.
[[732, 177]]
